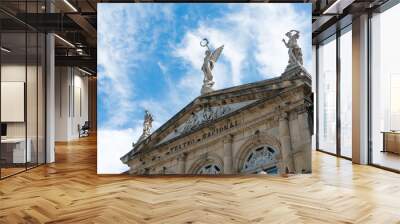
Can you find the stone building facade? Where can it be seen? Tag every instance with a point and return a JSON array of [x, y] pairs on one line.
[[260, 127]]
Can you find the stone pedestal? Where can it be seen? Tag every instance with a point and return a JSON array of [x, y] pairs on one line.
[[291, 67], [293, 70], [284, 136], [206, 89], [228, 158]]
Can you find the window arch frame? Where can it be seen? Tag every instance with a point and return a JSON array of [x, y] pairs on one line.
[[271, 165]]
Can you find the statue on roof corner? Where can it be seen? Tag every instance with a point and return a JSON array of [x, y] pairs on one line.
[[147, 125], [294, 50], [210, 59]]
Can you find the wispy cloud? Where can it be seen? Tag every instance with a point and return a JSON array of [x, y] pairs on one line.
[[113, 144], [121, 54], [120, 41]]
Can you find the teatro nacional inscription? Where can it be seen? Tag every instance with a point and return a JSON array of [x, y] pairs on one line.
[[215, 131]]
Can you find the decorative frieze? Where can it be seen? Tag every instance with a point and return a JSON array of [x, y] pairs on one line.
[[205, 135]]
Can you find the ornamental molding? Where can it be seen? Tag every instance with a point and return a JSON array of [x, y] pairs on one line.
[[206, 114]]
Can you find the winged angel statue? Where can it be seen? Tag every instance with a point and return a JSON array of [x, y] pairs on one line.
[[209, 60]]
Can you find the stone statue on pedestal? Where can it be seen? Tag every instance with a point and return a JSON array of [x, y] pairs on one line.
[[147, 125], [294, 50], [209, 60]]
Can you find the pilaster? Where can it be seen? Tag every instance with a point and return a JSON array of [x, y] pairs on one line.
[[305, 138], [181, 163], [228, 158], [284, 136]]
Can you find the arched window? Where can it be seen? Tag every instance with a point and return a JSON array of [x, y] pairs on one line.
[[209, 169], [261, 159]]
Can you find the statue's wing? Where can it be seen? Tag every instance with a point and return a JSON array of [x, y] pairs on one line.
[[215, 55]]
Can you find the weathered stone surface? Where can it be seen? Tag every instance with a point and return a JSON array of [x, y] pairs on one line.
[[266, 129]]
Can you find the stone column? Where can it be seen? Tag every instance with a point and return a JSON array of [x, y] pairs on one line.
[[305, 137], [181, 163], [228, 158], [286, 145]]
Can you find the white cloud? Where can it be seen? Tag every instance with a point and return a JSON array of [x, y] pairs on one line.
[[162, 67], [173, 95], [119, 54], [113, 144], [113, 50]]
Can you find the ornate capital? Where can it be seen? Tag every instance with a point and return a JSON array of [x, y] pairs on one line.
[[228, 138], [302, 109], [182, 156], [283, 116]]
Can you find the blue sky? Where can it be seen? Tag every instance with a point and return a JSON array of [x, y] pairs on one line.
[[149, 57]]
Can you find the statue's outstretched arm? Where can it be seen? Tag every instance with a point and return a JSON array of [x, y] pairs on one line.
[[284, 41]]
